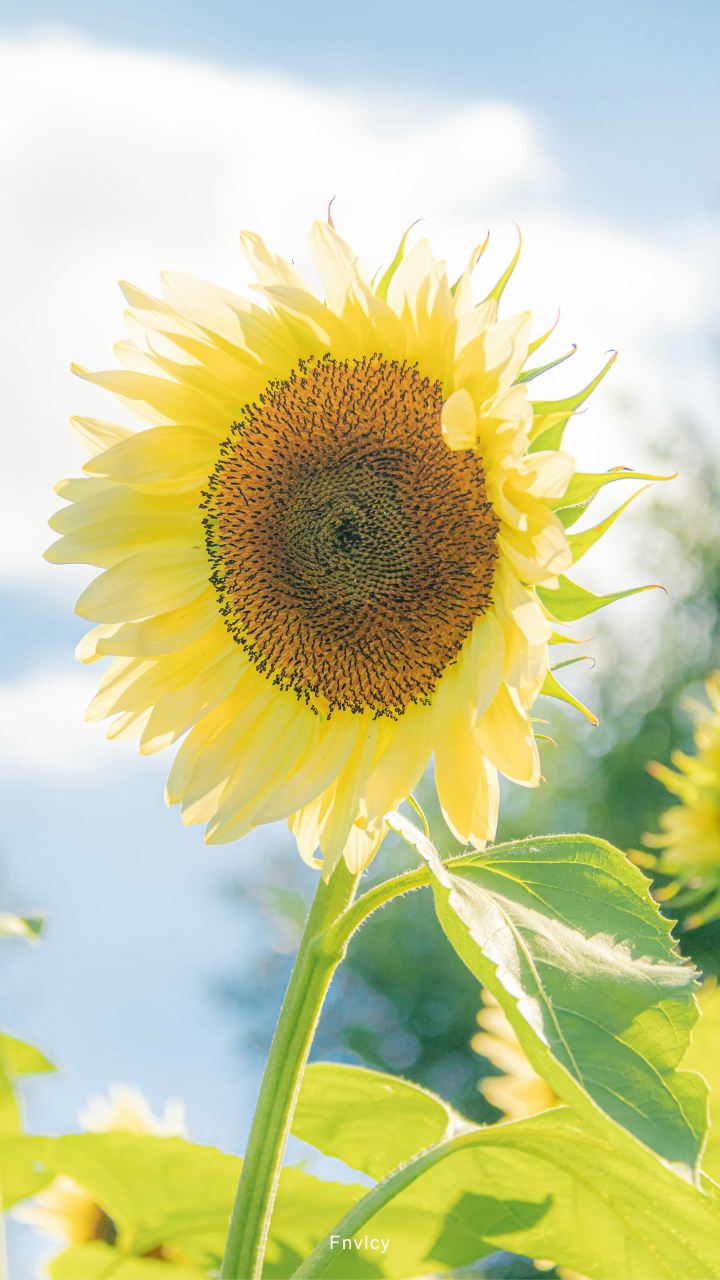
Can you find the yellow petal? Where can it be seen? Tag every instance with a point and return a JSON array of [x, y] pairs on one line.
[[128, 726], [401, 766], [337, 740], [214, 765], [177, 710], [145, 584], [465, 780], [79, 489], [87, 650], [105, 500], [269, 754], [361, 847], [459, 420], [337, 266], [129, 684], [162, 460], [505, 737], [550, 472], [165, 633], [96, 434], [305, 828], [480, 667], [268, 267], [343, 806], [523, 606], [474, 322], [463, 292], [209, 730], [109, 541], [158, 401]]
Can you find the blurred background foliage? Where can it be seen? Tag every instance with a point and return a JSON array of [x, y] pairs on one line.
[[403, 1002]]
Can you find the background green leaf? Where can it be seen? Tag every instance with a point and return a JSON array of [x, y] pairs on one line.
[[550, 1187], [371, 1120], [156, 1190], [305, 1210], [564, 934], [17, 1059], [704, 1056], [96, 1261]]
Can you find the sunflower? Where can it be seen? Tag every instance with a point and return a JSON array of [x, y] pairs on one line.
[[690, 838], [519, 1092], [67, 1210], [337, 547]]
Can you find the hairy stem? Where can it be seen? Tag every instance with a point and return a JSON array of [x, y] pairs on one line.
[[318, 956]]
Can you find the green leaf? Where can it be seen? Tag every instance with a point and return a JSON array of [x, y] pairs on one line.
[[548, 1187], [569, 515], [582, 542], [384, 285], [499, 289], [550, 417], [529, 374], [563, 932], [704, 1056], [370, 1120], [288, 904], [569, 601], [305, 1210], [23, 1172], [12, 926], [539, 341], [158, 1191], [552, 689], [17, 1059], [556, 638], [96, 1261], [585, 484], [474, 259]]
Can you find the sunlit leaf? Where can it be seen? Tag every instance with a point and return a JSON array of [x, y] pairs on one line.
[[582, 542], [543, 337], [548, 1187], [529, 374], [370, 1120], [585, 484], [563, 932], [305, 1210], [13, 926], [17, 1059], [570, 601], [158, 1191], [96, 1261], [499, 288], [551, 688], [704, 1056], [384, 285], [550, 417]]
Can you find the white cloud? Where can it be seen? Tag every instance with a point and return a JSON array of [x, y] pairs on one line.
[[121, 163], [43, 730]]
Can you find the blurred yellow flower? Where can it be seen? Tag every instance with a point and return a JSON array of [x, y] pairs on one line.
[[65, 1209], [690, 839], [520, 1092], [322, 554]]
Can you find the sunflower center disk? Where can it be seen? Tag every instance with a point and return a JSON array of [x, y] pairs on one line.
[[352, 550]]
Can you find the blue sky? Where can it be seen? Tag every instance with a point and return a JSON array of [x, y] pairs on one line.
[[628, 91], [145, 134]]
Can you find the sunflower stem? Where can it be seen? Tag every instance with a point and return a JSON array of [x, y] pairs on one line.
[[318, 956]]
